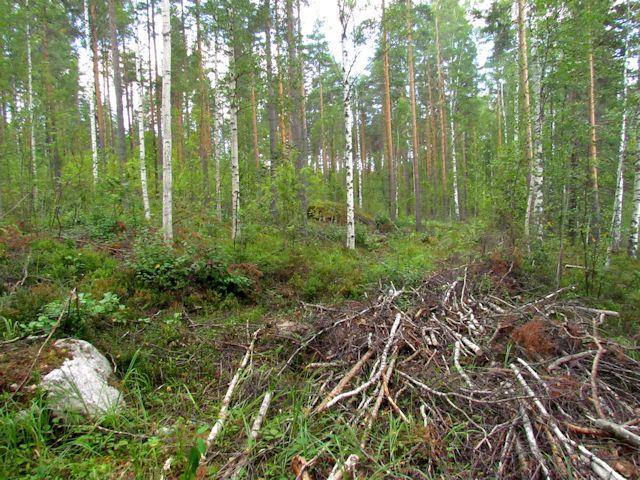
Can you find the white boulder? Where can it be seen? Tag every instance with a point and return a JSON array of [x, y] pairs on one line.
[[81, 384]]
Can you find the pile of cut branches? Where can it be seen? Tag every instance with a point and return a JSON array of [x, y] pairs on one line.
[[539, 391]]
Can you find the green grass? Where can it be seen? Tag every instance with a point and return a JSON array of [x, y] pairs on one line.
[[175, 351]]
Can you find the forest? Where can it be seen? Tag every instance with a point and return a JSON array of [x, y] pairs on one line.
[[319, 239]]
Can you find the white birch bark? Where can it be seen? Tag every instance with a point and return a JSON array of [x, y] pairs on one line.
[[535, 201], [454, 163], [32, 128], [616, 221], [358, 157], [167, 201], [348, 125], [142, 152], [235, 168], [91, 93], [216, 125], [635, 219]]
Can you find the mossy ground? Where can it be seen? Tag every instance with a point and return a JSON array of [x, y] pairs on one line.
[[175, 349]]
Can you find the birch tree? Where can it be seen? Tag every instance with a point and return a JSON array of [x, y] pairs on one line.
[[32, 127], [235, 166], [523, 49], [454, 162], [215, 127], [635, 219], [142, 151], [167, 179], [345, 13], [616, 221], [91, 94]]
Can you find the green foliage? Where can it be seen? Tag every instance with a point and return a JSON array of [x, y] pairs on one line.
[[161, 268], [62, 262], [75, 314]]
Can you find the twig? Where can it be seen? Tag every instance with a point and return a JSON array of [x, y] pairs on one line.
[[345, 381], [376, 376], [618, 431], [337, 473]]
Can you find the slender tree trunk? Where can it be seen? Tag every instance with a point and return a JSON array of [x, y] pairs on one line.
[[254, 124], [363, 140], [205, 133], [616, 221], [526, 113], [217, 124], [503, 112], [454, 163], [297, 104], [32, 131], [499, 120], [393, 187], [167, 179], [593, 149], [434, 140], [91, 97], [323, 144], [417, 193], [121, 149], [96, 80], [443, 112], [635, 216], [142, 150], [152, 100], [356, 151], [271, 100], [158, 90], [235, 167], [345, 14]]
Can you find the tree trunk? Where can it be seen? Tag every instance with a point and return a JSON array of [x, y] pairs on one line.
[[157, 89], [616, 221], [121, 149], [167, 200], [417, 193], [91, 98], [235, 167], [363, 140], [271, 100], [635, 217], [96, 79], [142, 150], [323, 145], [525, 116], [356, 151], [152, 101], [205, 134], [216, 126], [254, 124], [348, 127], [32, 131], [454, 162], [442, 109], [393, 187], [593, 149]]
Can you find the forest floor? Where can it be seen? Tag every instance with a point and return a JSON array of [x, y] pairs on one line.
[[426, 356]]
